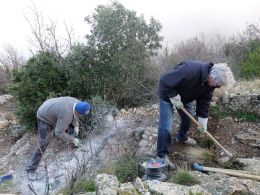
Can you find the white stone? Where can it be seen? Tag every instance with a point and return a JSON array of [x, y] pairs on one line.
[[3, 124]]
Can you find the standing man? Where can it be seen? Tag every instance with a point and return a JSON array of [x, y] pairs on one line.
[[188, 81], [58, 114]]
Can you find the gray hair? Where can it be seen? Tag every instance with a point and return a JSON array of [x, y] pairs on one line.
[[222, 75]]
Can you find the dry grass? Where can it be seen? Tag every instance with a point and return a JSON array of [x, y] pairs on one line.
[[199, 155]]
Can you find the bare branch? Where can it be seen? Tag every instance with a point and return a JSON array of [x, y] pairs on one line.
[[45, 37], [69, 34], [32, 189]]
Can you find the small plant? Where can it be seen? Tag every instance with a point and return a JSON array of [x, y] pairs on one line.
[[125, 171], [235, 164], [184, 178], [196, 193], [5, 186], [207, 156], [81, 186], [108, 169], [199, 155], [206, 142], [85, 186]]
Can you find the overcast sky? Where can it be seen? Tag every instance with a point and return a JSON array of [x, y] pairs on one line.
[[181, 19]]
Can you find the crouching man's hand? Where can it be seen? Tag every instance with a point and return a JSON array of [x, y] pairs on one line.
[[77, 142], [76, 130]]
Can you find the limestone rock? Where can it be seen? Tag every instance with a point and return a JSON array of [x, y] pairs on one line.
[[5, 98], [157, 187], [4, 123], [251, 164], [127, 189], [106, 184]]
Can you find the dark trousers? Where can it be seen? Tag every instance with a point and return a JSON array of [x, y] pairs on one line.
[[166, 124], [45, 136]]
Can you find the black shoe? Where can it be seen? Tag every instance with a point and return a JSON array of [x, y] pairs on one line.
[[189, 141]]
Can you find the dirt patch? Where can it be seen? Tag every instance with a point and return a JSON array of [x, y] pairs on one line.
[[223, 130]]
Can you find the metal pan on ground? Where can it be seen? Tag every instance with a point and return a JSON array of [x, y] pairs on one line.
[[152, 164]]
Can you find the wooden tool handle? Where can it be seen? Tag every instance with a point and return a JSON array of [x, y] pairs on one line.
[[208, 134], [232, 172]]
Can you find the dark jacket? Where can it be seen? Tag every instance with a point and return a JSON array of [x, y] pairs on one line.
[[189, 80]]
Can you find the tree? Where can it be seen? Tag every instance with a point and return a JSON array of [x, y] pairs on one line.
[[9, 59], [239, 47], [121, 45], [251, 67], [41, 78]]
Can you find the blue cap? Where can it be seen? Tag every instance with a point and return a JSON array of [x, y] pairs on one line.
[[82, 108]]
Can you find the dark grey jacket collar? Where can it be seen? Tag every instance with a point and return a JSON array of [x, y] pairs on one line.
[[205, 70]]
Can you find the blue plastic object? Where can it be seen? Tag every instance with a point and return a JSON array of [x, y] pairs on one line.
[[5, 177], [197, 167]]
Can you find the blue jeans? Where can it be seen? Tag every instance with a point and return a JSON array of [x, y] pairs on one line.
[[166, 124]]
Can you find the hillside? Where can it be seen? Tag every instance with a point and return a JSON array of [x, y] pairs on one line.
[[234, 122]]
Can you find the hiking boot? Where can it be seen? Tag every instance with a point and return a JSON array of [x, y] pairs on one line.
[[189, 141], [166, 161]]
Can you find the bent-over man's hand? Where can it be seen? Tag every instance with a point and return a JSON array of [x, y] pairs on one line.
[[203, 124], [176, 101]]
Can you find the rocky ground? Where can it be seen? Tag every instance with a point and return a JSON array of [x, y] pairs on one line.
[[238, 136]]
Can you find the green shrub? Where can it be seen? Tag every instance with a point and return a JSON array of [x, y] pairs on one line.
[[206, 142], [38, 80], [219, 112], [80, 186], [85, 186], [251, 67], [125, 171], [184, 178], [118, 55], [196, 193], [207, 156]]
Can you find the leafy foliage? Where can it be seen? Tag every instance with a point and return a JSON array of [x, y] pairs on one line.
[[251, 67], [125, 171], [81, 186], [240, 46], [119, 48], [39, 79]]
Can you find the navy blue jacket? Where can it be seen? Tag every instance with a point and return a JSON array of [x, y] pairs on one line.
[[189, 80]]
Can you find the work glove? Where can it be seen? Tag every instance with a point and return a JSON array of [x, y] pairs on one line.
[[176, 101], [203, 124], [77, 142]]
